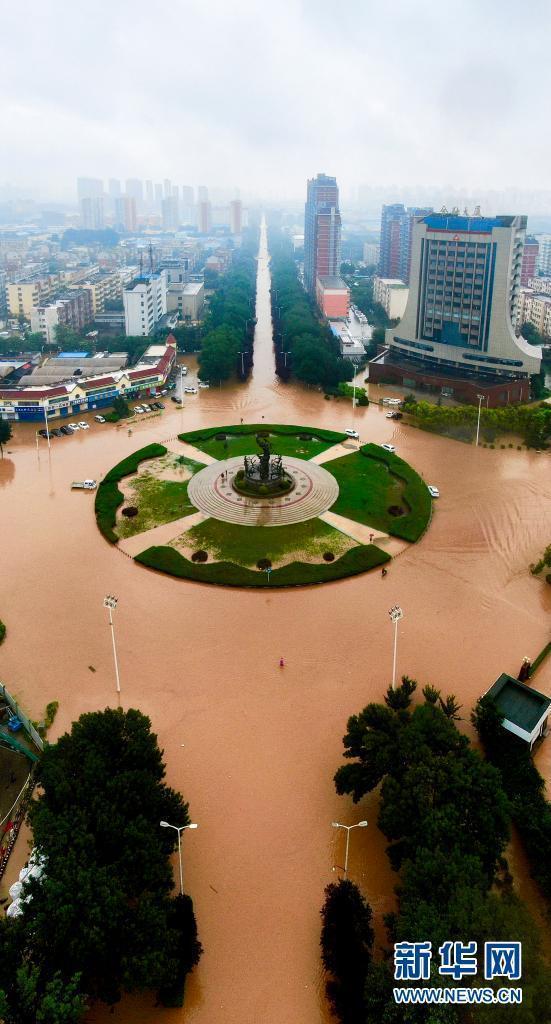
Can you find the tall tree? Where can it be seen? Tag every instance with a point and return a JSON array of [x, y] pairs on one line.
[[5, 434]]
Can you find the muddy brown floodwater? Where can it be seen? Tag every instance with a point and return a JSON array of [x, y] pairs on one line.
[[254, 747]]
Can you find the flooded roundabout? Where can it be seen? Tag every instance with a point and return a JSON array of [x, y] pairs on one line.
[[252, 746]]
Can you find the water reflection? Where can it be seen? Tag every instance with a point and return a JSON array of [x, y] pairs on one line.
[[7, 471]]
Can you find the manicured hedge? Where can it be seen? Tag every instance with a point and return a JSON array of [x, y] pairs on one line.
[[108, 497], [296, 574], [2, 632], [416, 493], [252, 428]]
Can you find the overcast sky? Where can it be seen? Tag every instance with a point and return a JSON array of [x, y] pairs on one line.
[[242, 93]]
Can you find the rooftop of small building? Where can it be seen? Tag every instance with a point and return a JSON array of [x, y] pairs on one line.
[[519, 703], [333, 283], [193, 287], [393, 282]]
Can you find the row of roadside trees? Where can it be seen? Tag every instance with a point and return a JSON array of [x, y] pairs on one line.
[[305, 347], [447, 817]]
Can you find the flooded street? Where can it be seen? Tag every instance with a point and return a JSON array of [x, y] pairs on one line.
[[251, 746]]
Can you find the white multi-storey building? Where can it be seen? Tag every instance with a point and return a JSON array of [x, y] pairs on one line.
[[144, 303], [392, 295]]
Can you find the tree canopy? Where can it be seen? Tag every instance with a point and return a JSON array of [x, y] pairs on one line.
[[101, 917]]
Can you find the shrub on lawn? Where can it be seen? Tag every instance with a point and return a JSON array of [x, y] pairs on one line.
[[2, 632], [328, 556], [130, 511], [264, 563], [199, 556]]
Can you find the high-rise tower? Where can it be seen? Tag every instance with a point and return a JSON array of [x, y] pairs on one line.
[[396, 239], [456, 335], [322, 231]]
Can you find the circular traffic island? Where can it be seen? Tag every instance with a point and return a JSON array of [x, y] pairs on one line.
[[253, 506]]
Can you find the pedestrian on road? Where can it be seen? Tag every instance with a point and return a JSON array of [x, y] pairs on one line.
[[383, 573], [281, 663]]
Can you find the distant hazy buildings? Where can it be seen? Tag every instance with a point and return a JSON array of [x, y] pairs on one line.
[[89, 188], [544, 256], [114, 187], [322, 231], [170, 213], [236, 216], [125, 214], [371, 253], [134, 189], [91, 213], [529, 260], [396, 237], [457, 334], [392, 295], [204, 217]]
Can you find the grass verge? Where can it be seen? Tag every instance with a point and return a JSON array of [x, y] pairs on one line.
[[372, 480], [245, 545], [108, 497], [240, 440], [296, 574]]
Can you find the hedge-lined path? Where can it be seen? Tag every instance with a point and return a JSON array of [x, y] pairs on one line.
[[315, 491], [159, 535]]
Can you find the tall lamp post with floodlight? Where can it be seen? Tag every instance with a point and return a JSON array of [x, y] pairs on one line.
[[110, 603], [337, 824], [179, 829], [396, 614], [480, 397]]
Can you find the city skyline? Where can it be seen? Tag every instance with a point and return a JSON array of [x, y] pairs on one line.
[[410, 101]]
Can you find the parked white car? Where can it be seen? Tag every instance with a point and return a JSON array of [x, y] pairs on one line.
[[99, 419], [388, 447], [352, 433], [138, 409], [433, 491], [203, 384], [83, 425], [190, 391], [73, 426]]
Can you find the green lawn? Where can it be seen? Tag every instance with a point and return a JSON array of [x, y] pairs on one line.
[[357, 560], [370, 481], [108, 496], [245, 545], [159, 501], [240, 440]]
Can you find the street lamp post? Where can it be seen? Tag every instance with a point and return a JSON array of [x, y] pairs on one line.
[[480, 397], [110, 603], [182, 385], [242, 364], [179, 829], [47, 425], [336, 824], [396, 614]]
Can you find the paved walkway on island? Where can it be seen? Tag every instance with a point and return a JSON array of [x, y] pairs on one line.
[[364, 534], [188, 451], [159, 535], [336, 451]]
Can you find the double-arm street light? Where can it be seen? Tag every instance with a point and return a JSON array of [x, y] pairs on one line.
[[337, 824], [110, 603], [179, 829], [396, 614]]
